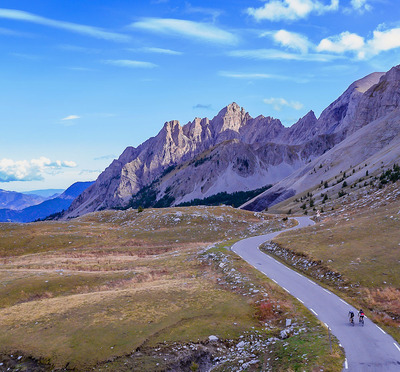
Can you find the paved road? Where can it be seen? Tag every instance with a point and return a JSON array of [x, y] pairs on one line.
[[367, 348]]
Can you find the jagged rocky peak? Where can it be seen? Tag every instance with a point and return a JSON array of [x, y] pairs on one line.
[[302, 130], [393, 74], [308, 120], [197, 129], [230, 118], [171, 126]]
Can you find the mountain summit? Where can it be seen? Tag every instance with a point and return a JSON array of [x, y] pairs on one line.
[[234, 151]]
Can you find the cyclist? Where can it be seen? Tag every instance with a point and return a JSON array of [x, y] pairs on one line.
[[361, 316], [351, 317]]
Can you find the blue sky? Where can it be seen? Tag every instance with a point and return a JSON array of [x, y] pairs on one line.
[[82, 80]]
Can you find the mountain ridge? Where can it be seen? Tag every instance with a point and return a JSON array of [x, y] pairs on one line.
[[263, 144]]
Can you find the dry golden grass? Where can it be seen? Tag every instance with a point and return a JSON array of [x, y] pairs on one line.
[[85, 291]]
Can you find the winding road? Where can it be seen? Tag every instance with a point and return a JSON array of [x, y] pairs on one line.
[[367, 348]]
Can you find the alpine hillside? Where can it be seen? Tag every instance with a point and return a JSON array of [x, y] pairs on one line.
[[368, 122]]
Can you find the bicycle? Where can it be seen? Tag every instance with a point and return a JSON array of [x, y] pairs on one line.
[[361, 320]]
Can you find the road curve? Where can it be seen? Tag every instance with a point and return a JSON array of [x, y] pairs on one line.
[[367, 348]]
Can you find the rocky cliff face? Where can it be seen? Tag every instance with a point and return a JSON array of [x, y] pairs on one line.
[[240, 152]]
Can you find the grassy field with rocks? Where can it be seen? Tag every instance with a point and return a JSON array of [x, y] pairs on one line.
[[149, 291]]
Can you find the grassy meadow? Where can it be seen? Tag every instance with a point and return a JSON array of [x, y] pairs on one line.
[[122, 290]]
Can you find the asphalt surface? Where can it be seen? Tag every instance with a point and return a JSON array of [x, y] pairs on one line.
[[368, 348]]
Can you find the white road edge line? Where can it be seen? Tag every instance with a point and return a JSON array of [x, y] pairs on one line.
[[343, 301], [346, 366], [326, 291], [311, 281], [300, 300], [326, 325], [398, 348], [313, 311], [274, 281], [286, 289], [381, 330]]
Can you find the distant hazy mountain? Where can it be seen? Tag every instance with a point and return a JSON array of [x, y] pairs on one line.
[[47, 207], [235, 152], [47, 193], [16, 200]]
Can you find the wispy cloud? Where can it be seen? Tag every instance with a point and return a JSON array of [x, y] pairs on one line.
[[277, 10], [8, 32], [91, 172], [256, 76], [130, 63], [106, 157], [275, 54], [157, 51], [279, 103], [31, 170], [29, 57], [213, 13], [79, 68], [187, 29], [71, 117], [96, 32], [79, 49], [203, 106]]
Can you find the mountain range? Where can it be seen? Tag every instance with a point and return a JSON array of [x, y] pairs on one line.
[[46, 207], [16, 200], [235, 152]]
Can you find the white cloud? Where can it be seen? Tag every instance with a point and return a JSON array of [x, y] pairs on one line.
[[71, 117], [188, 29], [276, 10], [290, 40], [274, 54], [344, 42], [278, 103], [31, 170], [161, 51], [360, 5], [348, 42], [130, 63], [19, 15], [383, 41]]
